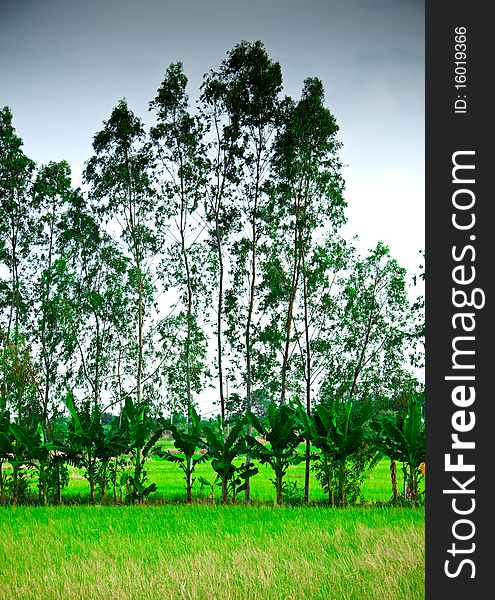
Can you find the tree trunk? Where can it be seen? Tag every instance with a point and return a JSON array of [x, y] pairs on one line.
[[252, 289], [103, 481], [15, 490], [2, 484], [307, 471], [140, 337], [308, 375], [393, 477], [288, 322], [189, 479], [182, 229], [219, 318], [115, 483], [59, 489], [279, 482], [341, 490], [91, 474]]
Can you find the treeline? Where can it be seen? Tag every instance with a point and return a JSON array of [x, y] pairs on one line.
[[200, 260]]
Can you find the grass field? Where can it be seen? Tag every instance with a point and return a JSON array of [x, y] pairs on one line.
[[211, 552], [168, 549]]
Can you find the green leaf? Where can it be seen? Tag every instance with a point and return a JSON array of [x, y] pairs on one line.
[[22, 436], [69, 403]]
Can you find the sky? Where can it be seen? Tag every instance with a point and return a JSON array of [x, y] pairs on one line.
[[64, 64]]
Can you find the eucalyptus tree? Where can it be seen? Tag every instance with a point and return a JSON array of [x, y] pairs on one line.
[[221, 110], [17, 222], [100, 302], [304, 256], [122, 195], [307, 187], [17, 228], [51, 194], [253, 84], [181, 155], [259, 79]]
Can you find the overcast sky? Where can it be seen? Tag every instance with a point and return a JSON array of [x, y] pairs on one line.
[[64, 64]]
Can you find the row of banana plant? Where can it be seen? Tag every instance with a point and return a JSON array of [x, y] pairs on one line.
[[344, 442]]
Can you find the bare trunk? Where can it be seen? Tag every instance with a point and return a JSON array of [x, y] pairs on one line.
[[59, 487], [219, 317], [307, 471], [308, 377], [15, 486], [189, 301], [252, 289], [393, 477], [91, 474], [2, 484], [288, 322], [140, 338], [279, 485]]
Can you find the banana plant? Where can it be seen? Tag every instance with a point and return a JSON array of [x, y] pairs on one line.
[[140, 441], [406, 442], [187, 441], [283, 438], [87, 443], [7, 454], [223, 449], [338, 429], [386, 446], [318, 432], [33, 449]]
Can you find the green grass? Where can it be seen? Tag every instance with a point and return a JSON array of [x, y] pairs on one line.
[[211, 552]]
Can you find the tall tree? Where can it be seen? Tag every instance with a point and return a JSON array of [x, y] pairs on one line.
[[52, 190], [180, 151], [308, 188], [100, 304], [221, 112], [322, 265], [16, 222], [371, 328], [255, 81], [16, 241], [120, 187], [249, 68], [308, 211]]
